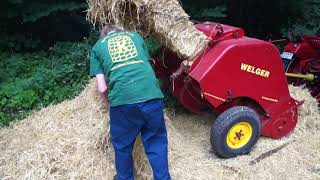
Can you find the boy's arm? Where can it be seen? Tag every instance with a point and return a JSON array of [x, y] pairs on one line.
[[96, 69], [103, 89]]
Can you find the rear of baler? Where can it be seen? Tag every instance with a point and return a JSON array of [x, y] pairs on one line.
[[241, 79]]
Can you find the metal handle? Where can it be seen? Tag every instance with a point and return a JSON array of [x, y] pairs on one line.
[[309, 77]]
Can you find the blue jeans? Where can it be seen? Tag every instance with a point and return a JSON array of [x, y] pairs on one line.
[[126, 122]]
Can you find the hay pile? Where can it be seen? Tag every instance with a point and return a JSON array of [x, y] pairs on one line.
[[70, 141], [164, 19], [66, 141]]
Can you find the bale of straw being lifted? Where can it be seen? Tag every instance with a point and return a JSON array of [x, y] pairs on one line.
[[164, 19]]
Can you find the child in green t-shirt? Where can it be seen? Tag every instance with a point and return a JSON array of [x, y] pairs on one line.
[[135, 99]]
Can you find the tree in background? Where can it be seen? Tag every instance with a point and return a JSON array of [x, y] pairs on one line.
[[206, 10], [263, 18], [260, 18], [308, 20], [32, 24]]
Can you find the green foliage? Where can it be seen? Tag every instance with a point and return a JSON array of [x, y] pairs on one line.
[[32, 80], [30, 10], [33, 25], [309, 20], [219, 11], [28, 24], [262, 19], [207, 14], [205, 10]]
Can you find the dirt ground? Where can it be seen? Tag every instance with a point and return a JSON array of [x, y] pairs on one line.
[[71, 141]]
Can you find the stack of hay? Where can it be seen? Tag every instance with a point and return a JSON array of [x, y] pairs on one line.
[[163, 19], [66, 141]]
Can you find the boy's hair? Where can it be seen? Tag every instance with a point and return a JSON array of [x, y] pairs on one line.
[[106, 29]]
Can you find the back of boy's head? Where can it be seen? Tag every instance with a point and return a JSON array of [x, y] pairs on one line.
[[106, 29]]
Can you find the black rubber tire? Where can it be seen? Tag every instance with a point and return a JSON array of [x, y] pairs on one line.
[[225, 122]]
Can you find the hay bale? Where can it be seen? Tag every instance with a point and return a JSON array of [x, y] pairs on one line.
[[71, 141], [309, 115], [66, 141], [164, 19]]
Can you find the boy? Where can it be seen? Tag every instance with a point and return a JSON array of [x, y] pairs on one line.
[[135, 99]]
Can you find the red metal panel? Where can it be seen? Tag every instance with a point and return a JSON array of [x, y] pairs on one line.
[[220, 71], [245, 67], [208, 27], [301, 50]]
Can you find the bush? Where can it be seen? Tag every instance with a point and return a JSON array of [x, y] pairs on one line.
[[33, 25], [32, 80]]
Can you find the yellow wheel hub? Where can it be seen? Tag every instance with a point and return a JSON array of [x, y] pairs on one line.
[[239, 135]]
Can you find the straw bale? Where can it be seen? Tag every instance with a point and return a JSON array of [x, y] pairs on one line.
[[71, 141], [164, 19], [66, 141]]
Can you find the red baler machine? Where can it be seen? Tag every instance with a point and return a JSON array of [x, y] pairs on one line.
[[240, 78], [302, 63]]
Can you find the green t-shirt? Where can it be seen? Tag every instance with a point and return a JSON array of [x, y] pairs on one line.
[[123, 57]]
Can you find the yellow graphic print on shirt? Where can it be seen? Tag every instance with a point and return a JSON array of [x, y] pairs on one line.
[[121, 48]]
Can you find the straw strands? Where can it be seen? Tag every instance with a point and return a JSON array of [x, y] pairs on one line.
[[164, 19], [71, 141]]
